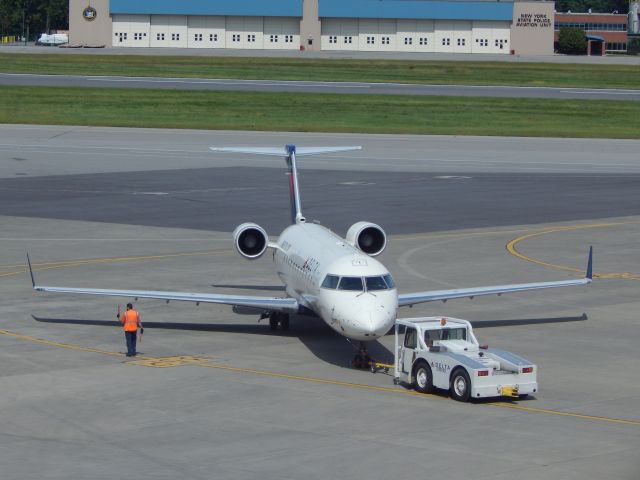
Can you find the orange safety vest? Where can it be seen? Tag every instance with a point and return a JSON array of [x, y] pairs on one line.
[[130, 320]]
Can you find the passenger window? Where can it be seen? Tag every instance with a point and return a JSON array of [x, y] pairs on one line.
[[389, 281], [375, 283], [411, 338], [330, 281], [350, 283]]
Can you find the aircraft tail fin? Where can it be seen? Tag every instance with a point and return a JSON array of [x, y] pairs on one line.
[[33, 280], [290, 152]]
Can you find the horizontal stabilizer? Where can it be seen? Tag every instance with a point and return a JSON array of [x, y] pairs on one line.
[[282, 151]]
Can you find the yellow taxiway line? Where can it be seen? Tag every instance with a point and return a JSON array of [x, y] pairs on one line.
[[164, 362], [79, 263], [511, 248]]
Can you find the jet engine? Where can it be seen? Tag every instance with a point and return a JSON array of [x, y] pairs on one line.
[[250, 240], [368, 237]]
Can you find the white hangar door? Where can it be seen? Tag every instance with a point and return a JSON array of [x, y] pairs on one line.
[[462, 35], [120, 29], [415, 36], [281, 33], [177, 31], [159, 31], [130, 31], [168, 31], [244, 32], [206, 32], [406, 37], [501, 38], [444, 36], [376, 35], [482, 37], [339, 34], [425, 37]]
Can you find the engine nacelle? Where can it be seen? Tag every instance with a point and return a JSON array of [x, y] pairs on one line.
[[368, 237], [250, 240]]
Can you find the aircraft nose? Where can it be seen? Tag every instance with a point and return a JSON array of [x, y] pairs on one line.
[[380, 321], [362, 317]]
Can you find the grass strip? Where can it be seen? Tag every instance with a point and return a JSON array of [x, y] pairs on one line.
[[385, 71], [319, 112]]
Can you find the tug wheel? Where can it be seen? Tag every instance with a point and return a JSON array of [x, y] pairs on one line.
[[423, 377], [460, 385]]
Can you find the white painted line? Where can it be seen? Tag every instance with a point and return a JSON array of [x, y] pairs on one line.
[[603, 92], [235, 83], [451, 177]]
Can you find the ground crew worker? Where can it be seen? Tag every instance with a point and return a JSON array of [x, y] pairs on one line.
[[130, 321]]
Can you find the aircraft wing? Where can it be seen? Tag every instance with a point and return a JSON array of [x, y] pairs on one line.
[[273, 304], [408, 299]]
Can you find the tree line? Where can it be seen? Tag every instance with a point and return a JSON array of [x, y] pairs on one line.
[[596, 6], [36, 16]]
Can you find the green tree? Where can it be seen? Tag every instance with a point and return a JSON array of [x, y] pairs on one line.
[[40, 16], [596, 6], [571, 41]]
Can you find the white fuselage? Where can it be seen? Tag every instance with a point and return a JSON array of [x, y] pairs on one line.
[[307, 253]]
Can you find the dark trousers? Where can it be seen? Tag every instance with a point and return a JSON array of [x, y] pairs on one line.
[[131, 342]]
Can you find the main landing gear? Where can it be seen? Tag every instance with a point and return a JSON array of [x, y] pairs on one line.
[[277, 318]]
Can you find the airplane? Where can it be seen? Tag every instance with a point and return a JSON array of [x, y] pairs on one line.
[[53, 39], [324, 275]]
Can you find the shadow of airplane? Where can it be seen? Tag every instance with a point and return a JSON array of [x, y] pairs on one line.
[[527, 321], [324, 343]]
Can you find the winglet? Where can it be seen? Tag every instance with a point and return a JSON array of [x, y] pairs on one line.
[[33, 282], [589, 274]]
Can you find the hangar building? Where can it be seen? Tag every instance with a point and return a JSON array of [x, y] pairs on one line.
[[448, 26]]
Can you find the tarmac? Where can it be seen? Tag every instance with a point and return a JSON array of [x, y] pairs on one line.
[[219, 395]]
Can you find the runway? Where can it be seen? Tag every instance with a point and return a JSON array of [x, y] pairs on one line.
[[317, 87], [219, 395]]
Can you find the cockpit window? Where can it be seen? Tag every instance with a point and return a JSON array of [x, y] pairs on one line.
[[375, 283], [350, 283], [330, 281], [389, 281]]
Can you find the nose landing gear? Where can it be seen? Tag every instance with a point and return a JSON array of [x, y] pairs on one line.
[[362, 359]]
